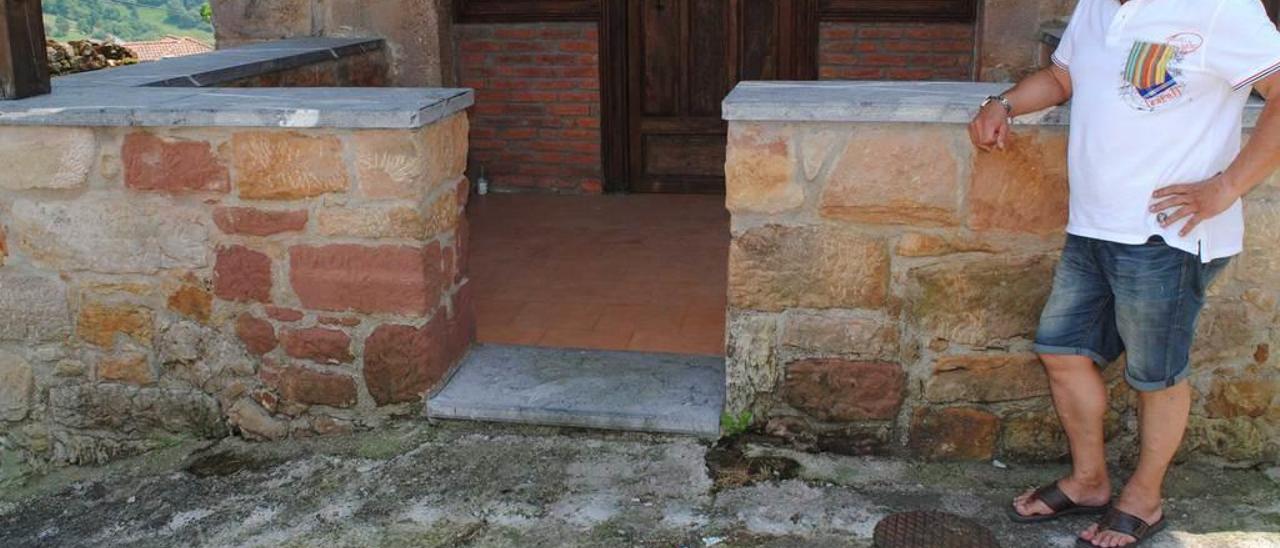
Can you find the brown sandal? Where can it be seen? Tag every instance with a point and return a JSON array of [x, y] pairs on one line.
[[1058, 502], [1125, 524]]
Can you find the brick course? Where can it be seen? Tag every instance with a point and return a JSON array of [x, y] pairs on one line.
[[536, 123], [896, 51]]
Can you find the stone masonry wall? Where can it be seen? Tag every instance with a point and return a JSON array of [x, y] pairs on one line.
[[193, 282], [886, 282], [896, 51], [537, 115]]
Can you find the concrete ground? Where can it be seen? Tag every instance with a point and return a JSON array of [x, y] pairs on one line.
[[455, 484]]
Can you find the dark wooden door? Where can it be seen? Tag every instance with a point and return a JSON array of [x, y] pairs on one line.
[[684, 56]]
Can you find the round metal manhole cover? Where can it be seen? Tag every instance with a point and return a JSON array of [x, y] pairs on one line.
[[932, 530]]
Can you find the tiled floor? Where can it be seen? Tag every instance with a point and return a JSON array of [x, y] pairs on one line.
[[637, 272]]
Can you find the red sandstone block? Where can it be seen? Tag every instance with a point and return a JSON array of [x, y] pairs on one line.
[[383, 279], [282, 314], [258, 335], [258, 222], [402, 362], [152, 163], [242, 274], [318, 344], [301, 385]]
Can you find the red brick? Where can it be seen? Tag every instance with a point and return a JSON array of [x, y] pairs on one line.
[[258, 335], [302, 385], [153, 163], [283, 314], [382, 279], [318, 344], [258, 222], [242, 274]]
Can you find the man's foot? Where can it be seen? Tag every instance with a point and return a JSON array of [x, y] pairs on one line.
[[1142, 506], [1095, 493]]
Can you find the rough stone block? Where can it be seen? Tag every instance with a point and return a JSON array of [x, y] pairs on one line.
[[46, 157], [33, 308], [752, 359], [987, 378], [272, 165], [840, 333], [258, 222], [896, 175], [242, 274], [371, 222], [258, 335], [112, 233], [760, 171], [382, 279], [1035, 436], [915, 244], [772, 268], [840, 390], [1242, 397], [1259, 265], [301, 385], [129, 368], [978, 302], [193, 302], [402, 362], [99, 323], [318, 344], [390, 164], [1022, 188], [154, 163], [135, 410], [17, 385], [445, 144], [255, 422], [280, 314], [953, 433]]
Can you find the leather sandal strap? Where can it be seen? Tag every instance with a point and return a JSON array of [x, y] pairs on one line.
[[1125, 524], [1053, 497]]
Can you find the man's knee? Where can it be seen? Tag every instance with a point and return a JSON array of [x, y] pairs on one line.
[[1060, 365]]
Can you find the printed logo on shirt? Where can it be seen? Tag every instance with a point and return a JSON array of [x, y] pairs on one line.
[[1151, 77], [1186, 42]]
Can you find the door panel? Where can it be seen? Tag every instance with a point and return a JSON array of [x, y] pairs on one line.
[[684, 56]]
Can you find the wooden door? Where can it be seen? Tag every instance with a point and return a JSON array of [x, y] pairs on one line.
[[684, 56]]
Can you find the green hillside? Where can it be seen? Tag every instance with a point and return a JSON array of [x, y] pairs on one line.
[[127, 20]]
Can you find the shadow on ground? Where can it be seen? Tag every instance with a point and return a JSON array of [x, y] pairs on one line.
[[415, 484]]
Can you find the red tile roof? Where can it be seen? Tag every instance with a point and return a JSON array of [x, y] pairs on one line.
[[169, 46]]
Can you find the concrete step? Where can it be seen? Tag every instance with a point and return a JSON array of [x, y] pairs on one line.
[[636, 391]]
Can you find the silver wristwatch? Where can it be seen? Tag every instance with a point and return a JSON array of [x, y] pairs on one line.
[[1004, 102]]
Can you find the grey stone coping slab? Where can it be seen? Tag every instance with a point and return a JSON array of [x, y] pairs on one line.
[[650, 392], [878, 101], [182, 92]]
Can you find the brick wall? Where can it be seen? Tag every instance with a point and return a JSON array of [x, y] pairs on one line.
[[536, 123], [896, 51]]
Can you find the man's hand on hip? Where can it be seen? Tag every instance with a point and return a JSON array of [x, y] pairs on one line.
[[1195, 202]]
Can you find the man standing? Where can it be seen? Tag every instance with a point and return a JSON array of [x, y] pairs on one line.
[[1157, 89]]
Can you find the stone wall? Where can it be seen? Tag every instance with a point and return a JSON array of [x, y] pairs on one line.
[[886, 281], [169, 283], [1009, 34], [417, 32]]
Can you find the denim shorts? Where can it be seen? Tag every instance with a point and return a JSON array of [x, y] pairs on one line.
[[1110, 298]]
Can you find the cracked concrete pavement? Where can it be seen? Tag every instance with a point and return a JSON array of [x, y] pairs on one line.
[[456, 484]]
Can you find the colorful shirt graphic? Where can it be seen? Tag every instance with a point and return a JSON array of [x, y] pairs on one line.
[[1148, 68]]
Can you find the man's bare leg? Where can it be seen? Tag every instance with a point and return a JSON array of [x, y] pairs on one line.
[[1162, 417], [1080, 396]]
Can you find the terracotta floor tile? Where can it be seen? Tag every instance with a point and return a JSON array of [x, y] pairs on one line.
[[559, 315], [506, 334], [573, 338]]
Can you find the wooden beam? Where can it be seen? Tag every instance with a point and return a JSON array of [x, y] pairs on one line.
[[24, 66]]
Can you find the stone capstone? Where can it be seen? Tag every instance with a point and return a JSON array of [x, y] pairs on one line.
[[840, 391], [112, 233], [33, 308], [17, 384]]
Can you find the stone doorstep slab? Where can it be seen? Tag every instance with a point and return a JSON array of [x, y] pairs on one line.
[[611, 390]]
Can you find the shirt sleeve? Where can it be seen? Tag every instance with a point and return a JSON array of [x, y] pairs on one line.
[[1062, 55], [1243, 45]]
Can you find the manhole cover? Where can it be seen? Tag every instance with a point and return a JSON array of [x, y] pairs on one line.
[[932, 530]]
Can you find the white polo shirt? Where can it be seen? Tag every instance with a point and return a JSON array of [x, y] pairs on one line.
[[1159, 88]]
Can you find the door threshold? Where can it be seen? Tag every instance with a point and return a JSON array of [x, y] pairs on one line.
[[602, 389]]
